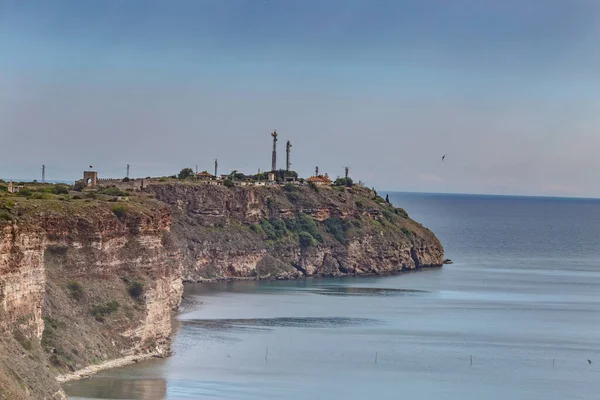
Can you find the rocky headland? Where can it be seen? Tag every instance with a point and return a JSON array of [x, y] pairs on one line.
[[91, 280]]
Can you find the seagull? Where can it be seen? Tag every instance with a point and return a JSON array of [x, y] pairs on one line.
[[589, 361], [444, 156], [91, 167]]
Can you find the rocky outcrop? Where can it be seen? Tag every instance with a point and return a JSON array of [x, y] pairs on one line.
[[249, 232], [91, 283], [67, 279]]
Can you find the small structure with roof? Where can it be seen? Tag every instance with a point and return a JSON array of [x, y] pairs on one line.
[[12, 188], [320, 180], [205, 176]]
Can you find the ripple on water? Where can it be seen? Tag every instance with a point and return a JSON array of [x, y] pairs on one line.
[[287, 322]]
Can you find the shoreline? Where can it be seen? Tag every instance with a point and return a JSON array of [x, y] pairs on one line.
[[91, 370]]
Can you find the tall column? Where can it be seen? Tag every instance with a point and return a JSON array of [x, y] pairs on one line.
[[274, 156], [288, 148]]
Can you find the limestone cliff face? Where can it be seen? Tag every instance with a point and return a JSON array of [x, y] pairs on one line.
[[66, 278], [86, 281], [290, 232]]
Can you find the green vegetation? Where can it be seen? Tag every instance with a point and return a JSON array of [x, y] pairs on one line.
[[23, 341], [280, 175], [401, 212], [338, 227], [186, 173], [51, 325], [278, 230], [347, 182], [126, 179], [228, 183], [135, 289], [235, 175], [102, 310], [389, 215], [24, 192], [408, 233], [6, 208], [75, 290], [119, 210], [306, 240]]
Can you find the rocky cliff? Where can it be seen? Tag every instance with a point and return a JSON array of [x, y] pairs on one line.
[[90, 280], [81, 282], [293, 231]]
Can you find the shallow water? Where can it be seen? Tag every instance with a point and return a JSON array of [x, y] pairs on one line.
[[517, 316]]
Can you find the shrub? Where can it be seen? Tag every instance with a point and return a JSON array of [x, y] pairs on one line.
[[60, 189], [258, 229], [3, 188], [306, 240], [313, 186], [185, 173], [126, 179], [359, 204], [135, 289], [100, 311], [268, 229], [91, 195], [306, 223], [389, 215], [75, 290], [337, 227], [119, 211], [40, 196], [228, 183], [347, 182], [408, 233], [289, 187], [401, 212], [25, 192]]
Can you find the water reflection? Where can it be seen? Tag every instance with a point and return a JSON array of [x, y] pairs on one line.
[[111, 388], [306, 322]]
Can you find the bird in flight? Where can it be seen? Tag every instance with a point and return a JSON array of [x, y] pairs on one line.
[[589, 361], [444, 156]]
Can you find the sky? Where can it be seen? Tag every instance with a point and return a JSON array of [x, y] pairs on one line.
[[508, 89]]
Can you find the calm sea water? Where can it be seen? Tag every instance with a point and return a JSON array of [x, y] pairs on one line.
[[517, 316]]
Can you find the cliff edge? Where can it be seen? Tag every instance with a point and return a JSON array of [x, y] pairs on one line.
[[90, 280], [290, 231]]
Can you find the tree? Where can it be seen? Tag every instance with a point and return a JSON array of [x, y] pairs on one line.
[[186, 173], [344, 182], [235, 175], [387, 198]]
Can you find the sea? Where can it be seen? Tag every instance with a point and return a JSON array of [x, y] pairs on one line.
[[516, 316]]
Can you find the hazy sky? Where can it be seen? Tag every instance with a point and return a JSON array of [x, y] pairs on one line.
[[509, 89]]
